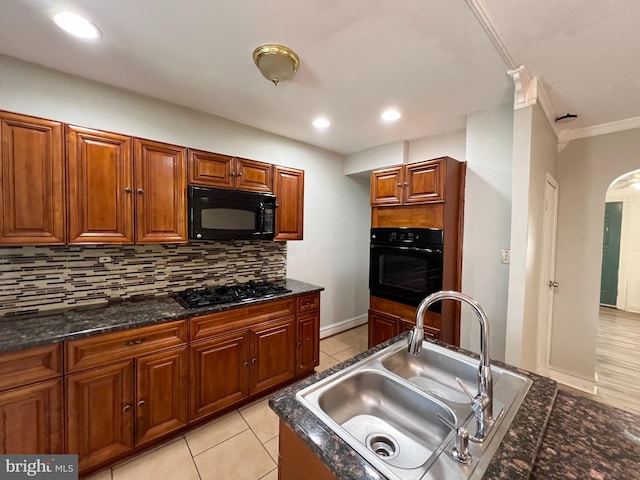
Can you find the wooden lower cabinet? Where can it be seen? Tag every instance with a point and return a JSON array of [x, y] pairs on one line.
[[308, 342], [32, 419], [100, 413], [381, 328], [296, 460], [273, 360], [219, 373], [161, 394]]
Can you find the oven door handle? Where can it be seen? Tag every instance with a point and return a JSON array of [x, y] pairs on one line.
[[409, 249]]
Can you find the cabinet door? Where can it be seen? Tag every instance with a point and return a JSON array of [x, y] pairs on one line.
[[308, 338], [161, 193], [273, 359], [31, 181], [161, 394], [386, 186], [99, 186], [219, 373], [424, 182], [289, 190], [254, 176], [211, 169], [31, 419], [99, 406], [381, 328]]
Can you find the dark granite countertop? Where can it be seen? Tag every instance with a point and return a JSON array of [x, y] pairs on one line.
[[513, 460], [18, 332], [586, 439]]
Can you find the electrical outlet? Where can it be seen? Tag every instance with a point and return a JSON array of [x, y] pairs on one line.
[[505, 255], [105, 259]]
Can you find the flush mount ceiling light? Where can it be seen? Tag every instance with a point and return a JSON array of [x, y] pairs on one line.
[[276, 62], [390, 115], [76, 25], [636, 185], [321, 123]]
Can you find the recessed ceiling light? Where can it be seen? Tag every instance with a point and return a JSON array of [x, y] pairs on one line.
[[321, 123], [76, 25], [390, 115]]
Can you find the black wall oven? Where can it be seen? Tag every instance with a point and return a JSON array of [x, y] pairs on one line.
[[406, 264]]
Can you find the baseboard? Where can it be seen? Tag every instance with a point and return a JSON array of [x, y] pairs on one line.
[[339, 327], [574, 381]]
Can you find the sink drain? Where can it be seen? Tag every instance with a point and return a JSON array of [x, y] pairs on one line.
[[382, 445]]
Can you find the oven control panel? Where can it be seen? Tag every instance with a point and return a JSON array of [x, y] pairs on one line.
[[412, 236]]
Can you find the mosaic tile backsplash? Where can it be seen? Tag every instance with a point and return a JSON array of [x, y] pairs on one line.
[[39, 279]]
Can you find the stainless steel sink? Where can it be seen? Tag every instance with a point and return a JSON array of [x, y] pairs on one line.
[[386, 407]]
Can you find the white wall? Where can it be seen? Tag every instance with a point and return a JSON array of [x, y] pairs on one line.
[[334, 253], [487, 223], [451, 144], [377, 157], [586, 168], [534, 155]]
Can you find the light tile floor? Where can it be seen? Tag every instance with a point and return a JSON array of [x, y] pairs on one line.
[[241, 445]]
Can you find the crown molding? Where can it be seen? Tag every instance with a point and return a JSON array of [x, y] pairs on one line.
[[481, 14], [605, 128]]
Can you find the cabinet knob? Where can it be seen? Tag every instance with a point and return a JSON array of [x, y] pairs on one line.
[[239, 174], [141, 403], [406, 184], [126, 408], [140, 191], [246, 364], [299, 344], [253, 361], [127, 190], [232, 174], [399, 184]]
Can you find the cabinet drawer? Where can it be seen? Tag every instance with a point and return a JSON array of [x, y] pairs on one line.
[[112, 347], [30, 365], [308, 303], [239, 318]]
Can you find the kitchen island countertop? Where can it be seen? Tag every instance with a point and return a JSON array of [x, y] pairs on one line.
[[23, 331], [555, 434]]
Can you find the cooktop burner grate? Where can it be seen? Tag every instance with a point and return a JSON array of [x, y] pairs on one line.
[[208, 296]]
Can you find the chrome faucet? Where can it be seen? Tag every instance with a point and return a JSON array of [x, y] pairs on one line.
[[482, 402]]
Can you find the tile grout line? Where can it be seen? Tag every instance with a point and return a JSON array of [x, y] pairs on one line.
[[193, 459]]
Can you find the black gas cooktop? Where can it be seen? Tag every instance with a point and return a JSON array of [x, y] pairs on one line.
[[243, 292]]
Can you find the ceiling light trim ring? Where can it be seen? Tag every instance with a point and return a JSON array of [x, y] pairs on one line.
[[281, 51]]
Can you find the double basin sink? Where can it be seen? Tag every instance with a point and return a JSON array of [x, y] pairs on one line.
[[396, 410]]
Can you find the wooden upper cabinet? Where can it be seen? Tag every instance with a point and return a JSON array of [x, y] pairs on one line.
[[99, 186], [254, 176], [161, 192], [289, 190], [424, 182], [411, 184], [210, 169], [222, 171], [31, 181], [386, 186]]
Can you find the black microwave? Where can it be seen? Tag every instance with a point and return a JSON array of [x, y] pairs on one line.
[[216, 214]]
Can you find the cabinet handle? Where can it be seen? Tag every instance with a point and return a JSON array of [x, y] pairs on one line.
[[399, 184], [131, 343], [232, 174], [253, 361], [306, 303], [299, 367], [127, 190], [239, 174], [141, 403], [126, 408], [140, 191], [299, 344], [246, 364], [406, 184]]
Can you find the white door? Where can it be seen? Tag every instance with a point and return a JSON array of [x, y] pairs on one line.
[[548, 285]]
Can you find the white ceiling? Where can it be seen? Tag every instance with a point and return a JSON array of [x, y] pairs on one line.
[[430, 59]]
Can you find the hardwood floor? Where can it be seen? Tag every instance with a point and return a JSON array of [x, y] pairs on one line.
[[618, 358]]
